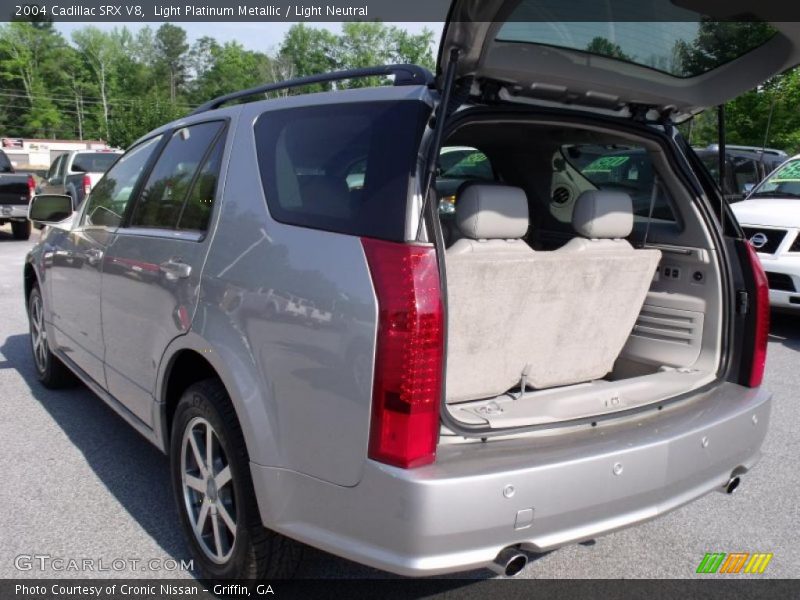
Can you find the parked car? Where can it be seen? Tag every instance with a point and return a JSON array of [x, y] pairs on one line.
[[770, 218], [744, 167], [16, 191], [75, 173], [508, 400]]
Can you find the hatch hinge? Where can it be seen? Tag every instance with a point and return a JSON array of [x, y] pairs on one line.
[[639, 112], [742, 302], [490, 92]]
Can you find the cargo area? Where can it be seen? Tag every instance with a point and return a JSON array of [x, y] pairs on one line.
[[581, 276]]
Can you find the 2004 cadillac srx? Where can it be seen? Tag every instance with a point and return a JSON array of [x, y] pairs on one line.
[[557, 331]]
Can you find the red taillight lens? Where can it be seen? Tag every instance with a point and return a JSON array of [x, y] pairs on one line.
[[31, 187], [408, 354], [761, 308], [87, 185]]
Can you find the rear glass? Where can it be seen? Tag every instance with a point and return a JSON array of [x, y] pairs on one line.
[[94, 162], [342, 168], [685, 47]]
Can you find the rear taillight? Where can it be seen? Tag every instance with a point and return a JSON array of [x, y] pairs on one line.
[[87, 185], [761, 308], [408, 354], [31, 187]]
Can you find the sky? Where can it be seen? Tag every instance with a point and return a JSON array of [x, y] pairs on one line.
[[260, 36]]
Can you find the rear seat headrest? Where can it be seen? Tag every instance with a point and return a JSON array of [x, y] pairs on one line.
[[487, 212], [602, 214]]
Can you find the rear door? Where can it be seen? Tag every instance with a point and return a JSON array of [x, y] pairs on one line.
[[669, 56], [152, 265]]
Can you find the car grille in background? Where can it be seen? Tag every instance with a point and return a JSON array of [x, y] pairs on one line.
[[774, 237], [780, 281]]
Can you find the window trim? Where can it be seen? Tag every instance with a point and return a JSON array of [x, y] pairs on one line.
[[125, 225]]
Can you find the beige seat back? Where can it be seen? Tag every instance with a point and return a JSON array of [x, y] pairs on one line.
[[548, 318]]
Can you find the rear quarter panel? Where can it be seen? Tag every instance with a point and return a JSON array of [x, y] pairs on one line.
[[302, 379]]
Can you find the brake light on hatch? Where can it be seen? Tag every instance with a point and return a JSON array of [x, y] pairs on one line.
[[408, 355], [761, 334], [87, 185], [31, 187]]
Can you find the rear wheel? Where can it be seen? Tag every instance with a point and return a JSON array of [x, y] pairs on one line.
[[210, 471], [50, 371], [21, 230]]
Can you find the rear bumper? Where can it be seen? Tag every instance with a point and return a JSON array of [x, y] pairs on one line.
[[13, 211], [459, 513]]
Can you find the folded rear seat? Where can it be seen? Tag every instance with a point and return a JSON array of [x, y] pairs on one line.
[[543, 318]]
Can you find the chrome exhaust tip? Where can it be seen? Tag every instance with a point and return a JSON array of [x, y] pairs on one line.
[[509, 562], [732, 484]]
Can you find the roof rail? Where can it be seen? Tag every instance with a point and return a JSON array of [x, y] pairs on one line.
[[403, 75]]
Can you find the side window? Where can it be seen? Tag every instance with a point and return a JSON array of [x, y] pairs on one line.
[[62, 165], [464, 163], [55, 166], [745, 172], [162, 199], [197, 209], [107, 202], [624, 169], [5, 164], [342, 167]]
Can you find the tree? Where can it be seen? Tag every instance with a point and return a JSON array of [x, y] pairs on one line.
[[29, 55], [171, 47], [133, 120], [100, 51], [605, 47]]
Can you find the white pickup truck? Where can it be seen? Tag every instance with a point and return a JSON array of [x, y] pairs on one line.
[[75, 173]]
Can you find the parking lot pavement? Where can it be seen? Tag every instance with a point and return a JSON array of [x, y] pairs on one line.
[[80, 483]]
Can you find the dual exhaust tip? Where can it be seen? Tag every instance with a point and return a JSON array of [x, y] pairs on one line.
[[509, 562]]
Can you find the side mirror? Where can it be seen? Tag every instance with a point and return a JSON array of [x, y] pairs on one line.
[[49, 208]]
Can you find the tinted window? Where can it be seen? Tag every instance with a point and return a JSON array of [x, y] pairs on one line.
[[93, 162], [464, 163], [5, 164], [109, 198], [197, 209], [161, 202], [342, 168], [54, 167], [628, 170]]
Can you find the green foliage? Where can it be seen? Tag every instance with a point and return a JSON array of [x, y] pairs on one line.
[[140, 116]]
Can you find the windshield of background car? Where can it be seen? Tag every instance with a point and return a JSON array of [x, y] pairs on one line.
[[783, 183]]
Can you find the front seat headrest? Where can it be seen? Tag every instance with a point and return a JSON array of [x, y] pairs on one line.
[[600, 214], [489, 212]]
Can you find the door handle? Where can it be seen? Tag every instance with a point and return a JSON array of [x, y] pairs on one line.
[[175, 268], [93, 256]]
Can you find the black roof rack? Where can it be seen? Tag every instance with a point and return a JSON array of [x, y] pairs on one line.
[[403, 75]]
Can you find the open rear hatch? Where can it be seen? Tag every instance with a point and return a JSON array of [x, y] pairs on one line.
[[673, 57]]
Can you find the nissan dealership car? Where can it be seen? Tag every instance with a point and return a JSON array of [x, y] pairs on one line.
[[531, 365], [770, 218]]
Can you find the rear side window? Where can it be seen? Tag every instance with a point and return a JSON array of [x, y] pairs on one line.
[[93, 162], [342, 168], [168, 188], [5, 164]]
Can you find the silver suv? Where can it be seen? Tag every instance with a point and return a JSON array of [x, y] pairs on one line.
[[424, 367]]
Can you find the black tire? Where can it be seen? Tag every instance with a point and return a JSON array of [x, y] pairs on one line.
[[21, 230], [50, 371], [256, 552]]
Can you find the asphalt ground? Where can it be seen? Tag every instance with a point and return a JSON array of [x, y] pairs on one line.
[[79, 483]]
